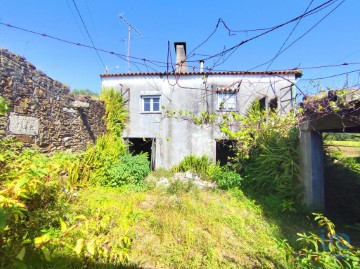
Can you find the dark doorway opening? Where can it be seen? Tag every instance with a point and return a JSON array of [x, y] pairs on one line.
[[225, 150], [262, 103], [143, 145], [273, 104]]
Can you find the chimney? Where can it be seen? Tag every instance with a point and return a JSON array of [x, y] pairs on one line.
[[202, 66], [181, 65]]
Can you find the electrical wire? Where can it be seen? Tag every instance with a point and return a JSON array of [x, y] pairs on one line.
[[83, 23], [166, 64], [332, 76], [301, 36], [288, 37], [232, 49]]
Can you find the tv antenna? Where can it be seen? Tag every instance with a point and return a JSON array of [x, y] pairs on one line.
[[130, 27]]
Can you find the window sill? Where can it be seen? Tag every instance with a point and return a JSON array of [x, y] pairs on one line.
[[150, 112], [227, 110]]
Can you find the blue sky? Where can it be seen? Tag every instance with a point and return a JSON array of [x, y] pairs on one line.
[[334, 40]]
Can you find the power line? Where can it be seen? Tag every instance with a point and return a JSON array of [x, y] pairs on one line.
[[76, 20], [122, 56], [83, 23], [301, 36], [288, 37], [329, 65], [232, 49], [144, 61], [335, 75]]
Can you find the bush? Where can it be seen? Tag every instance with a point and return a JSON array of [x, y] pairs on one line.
[[195, 164], [274, 168], [204, 167], [129, 170], [4, 107], [31, 197], [116, 112], [330, 250], [267, 152], [93, 167], [227, 179]]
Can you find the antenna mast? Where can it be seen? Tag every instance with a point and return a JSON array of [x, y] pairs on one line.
[[130, 27]]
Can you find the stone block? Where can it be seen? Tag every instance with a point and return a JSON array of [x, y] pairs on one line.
[[24, 138], [80, 104], [23, 125]]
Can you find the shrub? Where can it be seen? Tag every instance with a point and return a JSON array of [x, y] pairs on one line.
[[128, 170], [274, 168], [330, 250], [85, 92], [93, 167], [267, 152], [30, 195], [227, 179], [204, 167], [116, 113], [4, 107], [195, 164]]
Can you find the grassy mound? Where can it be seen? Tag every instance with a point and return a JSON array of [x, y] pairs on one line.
[[189, 229]]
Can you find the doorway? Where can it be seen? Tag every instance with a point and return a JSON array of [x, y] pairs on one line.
[[225, 151], [143, 145]]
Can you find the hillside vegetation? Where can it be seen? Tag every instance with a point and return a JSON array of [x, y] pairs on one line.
[[102, 208]]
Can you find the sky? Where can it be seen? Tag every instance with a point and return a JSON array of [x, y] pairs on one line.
[[328, 35]]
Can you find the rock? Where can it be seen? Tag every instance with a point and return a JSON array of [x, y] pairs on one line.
[[163, 182], [79, 104]]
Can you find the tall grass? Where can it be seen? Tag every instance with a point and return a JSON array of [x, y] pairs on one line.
[[274, 169]]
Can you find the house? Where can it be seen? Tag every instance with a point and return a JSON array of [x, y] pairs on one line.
[[151, 97]]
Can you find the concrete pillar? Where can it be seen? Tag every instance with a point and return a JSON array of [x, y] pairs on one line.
[[312, 166]]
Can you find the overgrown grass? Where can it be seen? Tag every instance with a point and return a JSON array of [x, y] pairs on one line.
[[342, 143], [189, 229]]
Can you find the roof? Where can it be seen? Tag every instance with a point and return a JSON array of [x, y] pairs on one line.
[[296, 72]]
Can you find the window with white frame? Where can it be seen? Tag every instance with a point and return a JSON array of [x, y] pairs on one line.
[[150, 103], [227, 101]]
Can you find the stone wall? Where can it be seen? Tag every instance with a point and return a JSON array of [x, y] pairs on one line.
[[43, 114]]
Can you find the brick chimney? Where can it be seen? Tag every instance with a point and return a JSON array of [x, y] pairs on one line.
[[181, 65]]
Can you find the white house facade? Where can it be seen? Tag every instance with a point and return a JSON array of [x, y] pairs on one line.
[[153, 97]]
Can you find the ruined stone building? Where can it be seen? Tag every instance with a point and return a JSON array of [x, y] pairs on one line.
[[43, 114]]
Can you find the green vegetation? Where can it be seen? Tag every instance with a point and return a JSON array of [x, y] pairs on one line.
[[85, 92], [192, 229], [205, 167], [329, 250], [129, 170], [116, 113], [267, 155], [341, 137], [96, 210], [342, 143], [4, 107]]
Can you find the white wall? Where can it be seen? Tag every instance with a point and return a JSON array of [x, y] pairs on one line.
[[177, 138]]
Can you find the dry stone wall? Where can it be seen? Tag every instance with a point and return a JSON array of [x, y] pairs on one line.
[[43, 114]]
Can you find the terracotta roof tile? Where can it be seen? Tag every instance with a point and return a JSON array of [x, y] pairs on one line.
[[296, 72]]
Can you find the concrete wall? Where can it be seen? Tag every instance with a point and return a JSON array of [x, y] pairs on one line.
[[176, 138], [43, 114]]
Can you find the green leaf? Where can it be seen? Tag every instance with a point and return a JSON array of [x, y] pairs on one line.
[[79, 246], [46, 253], [63, 225], [91, 247], [21, 254], [41, 239]]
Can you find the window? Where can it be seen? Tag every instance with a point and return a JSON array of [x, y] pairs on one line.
[[150, 104], [227, 101]]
